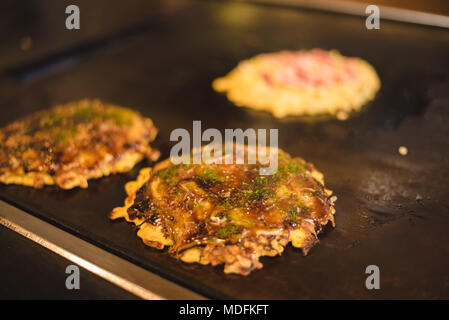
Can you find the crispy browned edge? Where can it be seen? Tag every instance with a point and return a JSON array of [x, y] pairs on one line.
[[71, 180], [304, 237]]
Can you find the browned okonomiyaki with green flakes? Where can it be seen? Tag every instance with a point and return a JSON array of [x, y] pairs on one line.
[[220, 213], [69, 144]]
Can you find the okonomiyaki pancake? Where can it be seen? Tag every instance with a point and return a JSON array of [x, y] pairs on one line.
[[228, 213], [69, 144], [301, 83]]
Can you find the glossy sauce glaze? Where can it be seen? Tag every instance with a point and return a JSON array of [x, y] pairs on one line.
[[211, 203]]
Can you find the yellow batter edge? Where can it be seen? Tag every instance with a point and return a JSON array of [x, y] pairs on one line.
[[245, 87], [303, 237]]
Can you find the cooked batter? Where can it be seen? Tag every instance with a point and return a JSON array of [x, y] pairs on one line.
[[301, 83], [69, 144], [217, 213]]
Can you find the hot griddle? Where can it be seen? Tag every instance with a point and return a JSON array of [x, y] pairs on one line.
[[392, 210]]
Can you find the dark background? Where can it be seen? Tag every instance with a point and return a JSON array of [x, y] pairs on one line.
[[161, 57]]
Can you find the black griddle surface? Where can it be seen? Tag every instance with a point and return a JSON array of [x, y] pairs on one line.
[[46, 278], [392, 210]]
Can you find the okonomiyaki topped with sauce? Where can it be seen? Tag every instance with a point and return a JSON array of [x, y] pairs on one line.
[[69, 144], [228, 213]]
